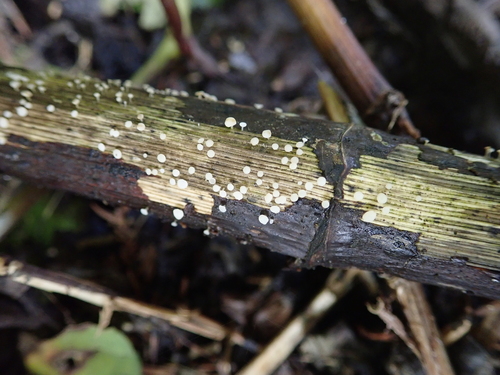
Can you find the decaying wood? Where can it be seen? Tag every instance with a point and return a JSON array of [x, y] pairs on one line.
[[329, 194]]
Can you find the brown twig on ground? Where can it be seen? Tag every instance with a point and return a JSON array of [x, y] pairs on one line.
[[279, 349], [379, 104], [54, 282], [423, 326], [188, 44], [174, 20]]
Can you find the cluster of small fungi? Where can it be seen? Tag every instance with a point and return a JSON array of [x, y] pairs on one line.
[[183, 161]]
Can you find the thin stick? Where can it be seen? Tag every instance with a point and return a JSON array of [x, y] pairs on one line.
[[282, 345], [377, 101], [54, 282], [423, 326]]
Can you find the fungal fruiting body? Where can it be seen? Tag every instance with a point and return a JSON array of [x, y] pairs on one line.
[[184, 161]]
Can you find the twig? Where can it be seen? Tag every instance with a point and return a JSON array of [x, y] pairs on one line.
[[54, 282], [280, 348], [377, 101], [175, 23], [423, 326]]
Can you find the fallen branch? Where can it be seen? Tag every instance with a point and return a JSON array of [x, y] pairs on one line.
[[329, 194], [54, 282]]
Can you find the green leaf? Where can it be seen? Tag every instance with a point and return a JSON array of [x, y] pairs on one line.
[[41, 223], [83, 350]]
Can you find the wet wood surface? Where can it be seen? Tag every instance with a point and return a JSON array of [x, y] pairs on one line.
[[328, 194]]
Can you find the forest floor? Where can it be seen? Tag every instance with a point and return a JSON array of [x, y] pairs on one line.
[[263, 55]]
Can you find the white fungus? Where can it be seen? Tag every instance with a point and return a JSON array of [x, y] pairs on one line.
[[222, 208], [141, 127], [144, 211], [258, 105], [299, 152], [128, 124], [276, 185], [266, 134], [276, 193], [163, 136], [280, 200], [216, 188], [358, 196], [381, 198], [275, 146], [199, 146], [182, 184], [230, 187], [309, 185], [148, 172], [243, 125], [275, 209], [258, 182], [101, 147], [386, 210], [237, 195], [210, 153], [302, 193], [263, 219], [176, 173], [243, 189], [288, 148], [223, 194], [117, 154], [321, 181], [293, 166], [8, 114], [268, 198], [254, 141], [172, 181], [4, 123], [230, 122], [388, 186], [369, 216], [294, 197], [21, 111], [260, 174], [209, 143], [208, 176], [178, 213], [325, 204], [191, 170], [50, 108], [74, 113], [284, 160], [246, 169], [418, 198]]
